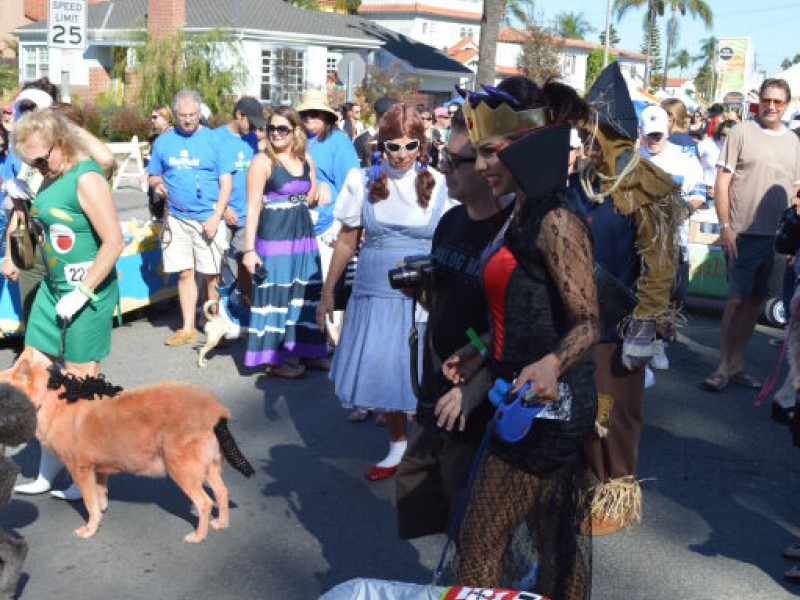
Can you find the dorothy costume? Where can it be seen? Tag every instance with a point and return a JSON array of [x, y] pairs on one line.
[[370, 368]]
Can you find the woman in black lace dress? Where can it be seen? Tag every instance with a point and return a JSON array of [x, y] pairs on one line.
[[520, 528]]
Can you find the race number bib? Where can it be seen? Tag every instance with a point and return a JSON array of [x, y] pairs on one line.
[[75, 272]]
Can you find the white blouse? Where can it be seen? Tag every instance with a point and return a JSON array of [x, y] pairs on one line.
[[400, 208]]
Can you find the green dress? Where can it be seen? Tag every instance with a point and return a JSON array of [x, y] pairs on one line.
[[70, 246]]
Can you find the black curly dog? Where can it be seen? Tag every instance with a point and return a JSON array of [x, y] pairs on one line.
[[17, 426]]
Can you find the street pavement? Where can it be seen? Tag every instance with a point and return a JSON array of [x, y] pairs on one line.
[[720, 483]]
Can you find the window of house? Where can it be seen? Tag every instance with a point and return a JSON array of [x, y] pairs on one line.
[[35, 63], [568, 65], [330, 64], [283, 75]]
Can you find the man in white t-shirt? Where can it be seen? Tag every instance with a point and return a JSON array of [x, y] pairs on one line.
[[687, 172], [758, 173]]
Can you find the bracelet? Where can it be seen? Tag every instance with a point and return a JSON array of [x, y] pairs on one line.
[[87, 292], [328, 294], [248, 251]]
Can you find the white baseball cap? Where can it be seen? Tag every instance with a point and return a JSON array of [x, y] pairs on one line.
[[39, 98], [654, 119]]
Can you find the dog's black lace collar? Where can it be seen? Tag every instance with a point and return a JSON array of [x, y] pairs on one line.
[[80, 388]]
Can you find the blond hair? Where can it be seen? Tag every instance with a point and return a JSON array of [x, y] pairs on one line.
[[53, 129], [298, 147], [676, 109]]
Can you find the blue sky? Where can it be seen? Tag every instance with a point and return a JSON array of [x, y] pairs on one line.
[[772, 25]]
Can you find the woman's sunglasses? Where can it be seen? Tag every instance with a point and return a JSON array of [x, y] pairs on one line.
[[42, 162], [279, 130], [395, 147]]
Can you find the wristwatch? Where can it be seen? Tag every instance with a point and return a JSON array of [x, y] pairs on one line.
[[725, 226]]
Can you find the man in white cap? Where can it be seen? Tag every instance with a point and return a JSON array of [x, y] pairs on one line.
[[687, 172]]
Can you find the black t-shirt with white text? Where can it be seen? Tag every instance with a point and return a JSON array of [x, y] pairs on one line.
[[459, 303]]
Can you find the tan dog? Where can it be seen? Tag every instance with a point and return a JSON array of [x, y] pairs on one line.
[[169, 428]]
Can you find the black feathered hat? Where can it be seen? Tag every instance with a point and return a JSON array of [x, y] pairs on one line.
[[610, 98]]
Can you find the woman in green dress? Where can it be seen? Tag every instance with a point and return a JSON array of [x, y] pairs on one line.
[[82, 240]]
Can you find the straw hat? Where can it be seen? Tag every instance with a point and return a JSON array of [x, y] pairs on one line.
[[316, 100]]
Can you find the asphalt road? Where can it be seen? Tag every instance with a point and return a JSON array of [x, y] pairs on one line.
[[720, 483]]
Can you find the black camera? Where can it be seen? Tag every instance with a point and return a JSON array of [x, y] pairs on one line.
[[417, 273]]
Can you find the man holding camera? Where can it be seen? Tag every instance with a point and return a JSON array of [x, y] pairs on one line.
[[450, 420]]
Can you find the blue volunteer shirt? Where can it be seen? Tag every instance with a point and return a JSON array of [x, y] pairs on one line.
[[333, 158], [190, 166], [238, 150]]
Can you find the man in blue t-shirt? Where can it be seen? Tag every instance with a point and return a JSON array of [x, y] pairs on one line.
[[237, 141], [187, 169]]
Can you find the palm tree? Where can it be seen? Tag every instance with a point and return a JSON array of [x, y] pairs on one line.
[[708, 52], [493, 11], [655, 8], [695, 8], [682, 61], [573, 26]]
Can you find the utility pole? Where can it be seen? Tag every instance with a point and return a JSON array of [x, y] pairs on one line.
[[607, 44]]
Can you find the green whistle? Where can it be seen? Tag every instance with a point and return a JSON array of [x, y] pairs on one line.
[[476, 341]]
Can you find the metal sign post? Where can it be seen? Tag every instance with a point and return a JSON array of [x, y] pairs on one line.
[[66, 31], [351, 69]]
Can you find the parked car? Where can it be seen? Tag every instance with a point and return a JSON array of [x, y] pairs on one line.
[[707, 270]]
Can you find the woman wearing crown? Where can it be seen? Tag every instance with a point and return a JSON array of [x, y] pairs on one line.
[[520, 525]]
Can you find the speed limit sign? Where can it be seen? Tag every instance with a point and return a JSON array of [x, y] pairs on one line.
[[66, 24]]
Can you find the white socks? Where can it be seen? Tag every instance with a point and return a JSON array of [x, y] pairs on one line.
[[396, 451], [71, 494], [49, 466]]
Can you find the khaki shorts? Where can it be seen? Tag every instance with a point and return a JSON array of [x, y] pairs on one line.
[[184, 246]]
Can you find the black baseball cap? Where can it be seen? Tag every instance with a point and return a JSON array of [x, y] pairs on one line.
[[383, 104], [251, 108]]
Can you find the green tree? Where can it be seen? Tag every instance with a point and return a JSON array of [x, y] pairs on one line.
[[573, 26], [594, 64], [652, 44], [653, 10], [307, 4], [704, 79], [682, 61], [540, 58], [211, 63], [787, 63], [613, 37], [9, 71], [695, 9], [349, 7]]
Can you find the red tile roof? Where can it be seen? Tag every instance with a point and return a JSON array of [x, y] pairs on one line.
[[515, 35]]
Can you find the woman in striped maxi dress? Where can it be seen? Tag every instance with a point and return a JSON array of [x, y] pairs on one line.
[[279, 236]]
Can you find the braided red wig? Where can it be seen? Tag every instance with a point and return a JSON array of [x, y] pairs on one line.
[[402, 120]]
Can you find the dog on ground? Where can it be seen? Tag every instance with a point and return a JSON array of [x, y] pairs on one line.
[[225, 318], [168, 428], [17, 426]]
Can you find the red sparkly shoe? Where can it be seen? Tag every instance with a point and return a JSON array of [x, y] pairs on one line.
[[376, 473]]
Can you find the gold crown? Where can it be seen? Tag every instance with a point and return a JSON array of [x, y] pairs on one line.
[[484, 121]]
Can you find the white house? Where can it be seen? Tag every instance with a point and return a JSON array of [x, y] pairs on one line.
[[286, 49], [434, 22], [573, 55]]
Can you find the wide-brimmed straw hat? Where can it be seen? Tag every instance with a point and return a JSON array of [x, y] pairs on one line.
[[316, 100]]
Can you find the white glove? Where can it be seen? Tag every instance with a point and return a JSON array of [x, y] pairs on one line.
[[70, 304]]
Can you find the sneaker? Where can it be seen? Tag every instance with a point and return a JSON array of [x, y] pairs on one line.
[[659, 361], [181, 337]]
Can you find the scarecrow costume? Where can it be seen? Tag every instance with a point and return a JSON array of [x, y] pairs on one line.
[[634, 210]]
